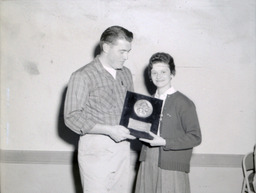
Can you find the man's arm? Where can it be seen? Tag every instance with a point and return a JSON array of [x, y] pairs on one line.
[[117, 132], [76, 96], [76, 119]]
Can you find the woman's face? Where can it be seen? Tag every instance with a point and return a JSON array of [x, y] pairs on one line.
[[161, 75]]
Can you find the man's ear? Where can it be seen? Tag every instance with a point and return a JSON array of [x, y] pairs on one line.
[[105, 47]]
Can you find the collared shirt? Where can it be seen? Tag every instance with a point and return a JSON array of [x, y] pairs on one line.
[[164, 95], [112, 71], [94, 96]]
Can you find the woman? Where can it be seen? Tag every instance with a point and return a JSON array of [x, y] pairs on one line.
[[165, 160]]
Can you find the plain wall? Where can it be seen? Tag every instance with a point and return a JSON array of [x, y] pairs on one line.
[[212, 42]]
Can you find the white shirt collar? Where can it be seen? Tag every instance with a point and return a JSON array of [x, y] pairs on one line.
[[164, 95], [112, 71]]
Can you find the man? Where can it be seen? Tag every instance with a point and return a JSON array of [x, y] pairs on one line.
[[93, 108]]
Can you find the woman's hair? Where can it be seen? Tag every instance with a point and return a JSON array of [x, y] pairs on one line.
[[164, 58], [111, 34]]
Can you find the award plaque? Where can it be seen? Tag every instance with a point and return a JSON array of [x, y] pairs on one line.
[[141, 114]]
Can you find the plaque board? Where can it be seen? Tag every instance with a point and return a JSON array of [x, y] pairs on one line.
[[141, 114]]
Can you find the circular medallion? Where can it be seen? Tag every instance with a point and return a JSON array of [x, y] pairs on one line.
[[143, 108]]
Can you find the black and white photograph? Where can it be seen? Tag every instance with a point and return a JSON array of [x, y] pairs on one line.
[[66, 68]]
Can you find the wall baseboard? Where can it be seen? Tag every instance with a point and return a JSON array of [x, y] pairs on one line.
[[69, 157]]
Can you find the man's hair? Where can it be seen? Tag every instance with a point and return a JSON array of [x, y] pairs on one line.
[[113, 33], [164, 58]]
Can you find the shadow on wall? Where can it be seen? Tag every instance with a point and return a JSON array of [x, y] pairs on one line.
[[151, 88], [71, 137], [64, 132]]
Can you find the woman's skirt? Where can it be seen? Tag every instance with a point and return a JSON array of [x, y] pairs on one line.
[[152, 179]]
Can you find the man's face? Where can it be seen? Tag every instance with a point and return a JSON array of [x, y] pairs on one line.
[[117, 53]]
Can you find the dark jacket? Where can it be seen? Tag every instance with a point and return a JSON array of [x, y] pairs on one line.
[[181, 130]]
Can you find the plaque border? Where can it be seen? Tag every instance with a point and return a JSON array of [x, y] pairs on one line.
[[128, 112]]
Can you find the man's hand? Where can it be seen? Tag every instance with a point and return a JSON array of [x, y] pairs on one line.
[[119, 133], [156, 141]]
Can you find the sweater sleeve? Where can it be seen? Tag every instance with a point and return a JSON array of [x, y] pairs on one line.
[[189, 130]]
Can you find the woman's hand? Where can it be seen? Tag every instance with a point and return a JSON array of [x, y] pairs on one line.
[[156, 141]]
